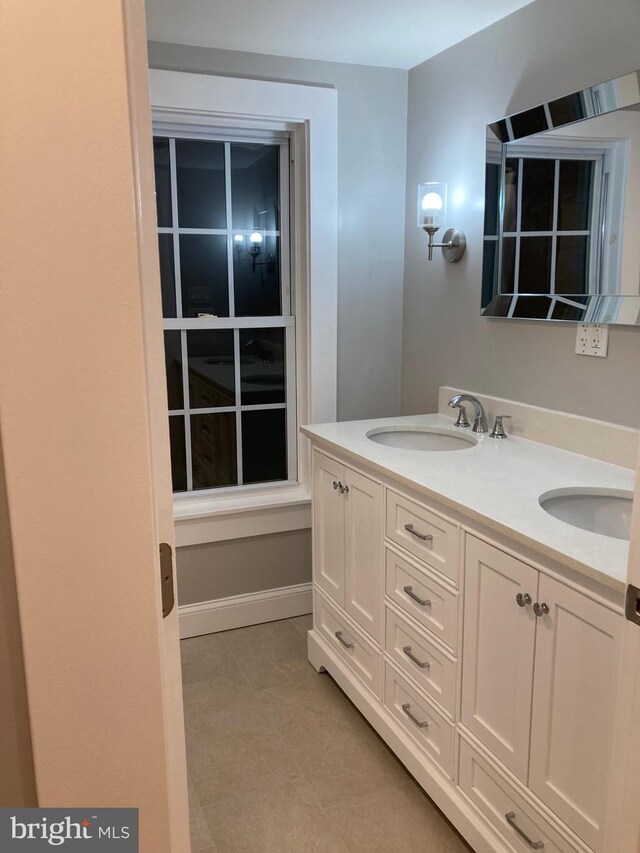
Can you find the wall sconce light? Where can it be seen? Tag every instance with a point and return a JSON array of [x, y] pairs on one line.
[[432, 212], [256, 242]]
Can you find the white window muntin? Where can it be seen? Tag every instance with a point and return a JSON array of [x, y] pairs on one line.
[[285, 321]]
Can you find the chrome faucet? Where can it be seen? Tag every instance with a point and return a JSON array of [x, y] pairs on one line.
[[480, 422]]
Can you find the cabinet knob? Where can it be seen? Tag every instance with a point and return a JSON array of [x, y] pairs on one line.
[[541, 609], [337, 485], [523, 599], [344, 490]]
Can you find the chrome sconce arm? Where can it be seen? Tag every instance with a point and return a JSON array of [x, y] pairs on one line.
[[453, 245]]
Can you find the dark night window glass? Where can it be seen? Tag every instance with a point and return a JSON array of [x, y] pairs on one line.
[[511, 172], [572, 264], [167, 275], [262, 366], [255, 197], [173, 363], [178, 453], [562, 311], [201, 188], [532, 307], [492, 199], [264, 445], [508, 264], [489, 263], [574, 195], [213, 450], [256, 279], [203, 274], [568, 109], [163, 181], [529, 122], [211, 368], [537, 194], [535, 265]]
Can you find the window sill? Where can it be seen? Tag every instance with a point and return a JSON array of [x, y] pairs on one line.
[[216, 518]]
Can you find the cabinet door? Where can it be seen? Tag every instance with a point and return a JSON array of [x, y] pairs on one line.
[[499, 641], [363, 552], [328, 526], [575, 683]]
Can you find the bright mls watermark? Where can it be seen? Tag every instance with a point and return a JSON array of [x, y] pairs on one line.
[[34, 830]]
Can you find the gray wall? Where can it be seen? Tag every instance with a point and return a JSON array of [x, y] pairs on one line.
[[372, 118], [17, 782], [545, 50], [220, 569]]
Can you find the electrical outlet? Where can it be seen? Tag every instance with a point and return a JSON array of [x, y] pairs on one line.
[[592, 339]]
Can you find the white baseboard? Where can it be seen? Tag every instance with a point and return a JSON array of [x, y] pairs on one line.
[[237, 611]]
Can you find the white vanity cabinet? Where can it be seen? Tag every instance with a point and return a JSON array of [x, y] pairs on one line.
[[347, 540], [489, 672], [541, 663]]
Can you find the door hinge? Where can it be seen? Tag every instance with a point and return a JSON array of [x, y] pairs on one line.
[[166, 578], [632, 604]]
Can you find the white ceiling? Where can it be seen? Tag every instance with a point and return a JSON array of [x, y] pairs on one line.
[[391, 33]]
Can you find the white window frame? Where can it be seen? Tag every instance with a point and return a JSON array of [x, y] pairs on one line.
[[309, 115], [611, 164], [285, 320]]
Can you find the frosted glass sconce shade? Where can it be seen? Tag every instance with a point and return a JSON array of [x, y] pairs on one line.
[[432, 213], [432, 205]]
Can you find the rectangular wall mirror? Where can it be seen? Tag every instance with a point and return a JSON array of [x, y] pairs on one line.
[[562, 209]]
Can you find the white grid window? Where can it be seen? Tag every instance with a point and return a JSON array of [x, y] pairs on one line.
[[229, 325]]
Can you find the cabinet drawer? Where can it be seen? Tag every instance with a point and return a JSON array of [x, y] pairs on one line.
[[500, 802], [422, 597], [429, 667], [424, 534], [352, 647], [418, 716]]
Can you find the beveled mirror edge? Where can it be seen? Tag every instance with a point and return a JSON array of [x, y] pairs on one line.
[[600, 99]]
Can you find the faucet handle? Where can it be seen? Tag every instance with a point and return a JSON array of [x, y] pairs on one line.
[[463, 420], [498, 429]]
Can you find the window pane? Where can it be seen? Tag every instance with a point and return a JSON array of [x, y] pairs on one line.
[[537, 195], [178, 453], [173, 362], [574, 195], [510, 194], [532, 307], [211, 371], [571, 264], [201, 192], [203, 275], [535, 265], [492, 199], [262, 366], [256, 277], [163, 180], [562, 311], [213, 450], [167, 275], [255, 197], [264, 445], [508, 264]]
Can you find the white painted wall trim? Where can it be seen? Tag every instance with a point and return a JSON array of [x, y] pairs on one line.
[[237, 611]]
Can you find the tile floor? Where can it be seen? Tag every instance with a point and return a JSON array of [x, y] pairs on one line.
[[281, 762]]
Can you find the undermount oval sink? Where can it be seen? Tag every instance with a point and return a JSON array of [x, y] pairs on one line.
[[420, 438], [604, 511]]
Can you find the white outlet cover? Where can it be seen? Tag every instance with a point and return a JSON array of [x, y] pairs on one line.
[[592, 339]]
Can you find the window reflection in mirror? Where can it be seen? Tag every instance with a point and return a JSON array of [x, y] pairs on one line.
[[562, 209]]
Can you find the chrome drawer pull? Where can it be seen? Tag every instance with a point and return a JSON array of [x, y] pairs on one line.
[[343, 641], [511, 820], [422, 664], [423, 602], [407, 709], [424, 537]]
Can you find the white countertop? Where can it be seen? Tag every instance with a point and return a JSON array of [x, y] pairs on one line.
[[497, 482]]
